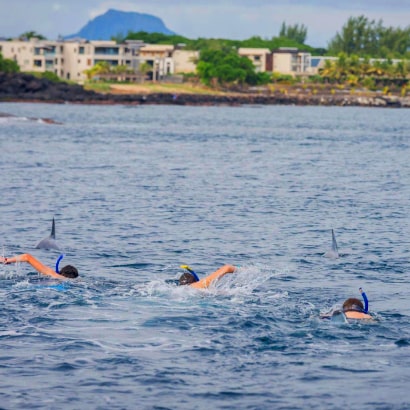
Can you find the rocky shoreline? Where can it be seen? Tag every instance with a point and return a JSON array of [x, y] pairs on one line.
[[27, 88]]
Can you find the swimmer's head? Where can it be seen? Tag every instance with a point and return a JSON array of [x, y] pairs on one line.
[[187, 278], [69, 271], [353, 304]]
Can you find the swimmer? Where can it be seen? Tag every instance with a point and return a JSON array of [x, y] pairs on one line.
[[352, 308], [67, 271], [190, 277]]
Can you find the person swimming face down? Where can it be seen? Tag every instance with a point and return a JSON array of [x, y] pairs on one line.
[[353, 308], [69, 271], [353, 305], [190, 278], [186, 279]]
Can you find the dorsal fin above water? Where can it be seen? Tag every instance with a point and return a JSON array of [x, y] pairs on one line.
[[333, 253], [49, 242], [53, 230], [334, 243]]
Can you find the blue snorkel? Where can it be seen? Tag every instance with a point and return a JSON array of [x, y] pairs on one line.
[[58, 262], [190, 271], [365, 300]]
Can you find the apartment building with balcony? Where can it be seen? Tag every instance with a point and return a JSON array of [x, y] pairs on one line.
[[289, 60], [70, 59], [159, 57], [67, 60], [284, 60], [34, 55], [82, 55]]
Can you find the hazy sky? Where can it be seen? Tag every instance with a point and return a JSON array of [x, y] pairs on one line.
[[232, 19]]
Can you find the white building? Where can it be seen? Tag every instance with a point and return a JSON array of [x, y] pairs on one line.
[[70, 59], [34, 55], [289, 60], [260, 57]]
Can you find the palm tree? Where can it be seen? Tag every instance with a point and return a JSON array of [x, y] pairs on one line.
[[144, 68], [328, 71], [31, 34], [101, 67], [376, 69], [401, 70], [354, 64], [342, 66]]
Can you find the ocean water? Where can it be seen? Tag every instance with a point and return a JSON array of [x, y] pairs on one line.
[[138, 191]]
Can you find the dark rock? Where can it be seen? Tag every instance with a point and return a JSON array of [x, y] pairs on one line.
[[25, 87]]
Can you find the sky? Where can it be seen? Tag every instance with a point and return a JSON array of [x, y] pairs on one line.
[[230, 19]]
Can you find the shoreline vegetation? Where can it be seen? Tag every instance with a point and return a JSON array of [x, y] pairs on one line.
[[21, 87], [366, 64]]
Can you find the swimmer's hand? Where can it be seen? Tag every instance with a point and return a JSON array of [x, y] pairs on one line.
[[13, 259], [4, 260]]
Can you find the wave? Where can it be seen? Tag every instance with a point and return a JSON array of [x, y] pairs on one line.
[[10, 118]]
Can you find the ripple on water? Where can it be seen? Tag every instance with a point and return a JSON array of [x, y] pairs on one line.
[[136, 192]]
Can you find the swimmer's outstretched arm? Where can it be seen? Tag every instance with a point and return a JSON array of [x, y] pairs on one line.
[[205, 282], [35, 263]]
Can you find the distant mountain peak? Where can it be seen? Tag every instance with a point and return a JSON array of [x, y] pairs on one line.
[[116, 22]]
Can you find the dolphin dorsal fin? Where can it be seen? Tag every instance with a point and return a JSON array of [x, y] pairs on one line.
[[334, 243], [53, 230]]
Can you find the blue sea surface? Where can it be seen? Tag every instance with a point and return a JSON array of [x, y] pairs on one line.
[[138, 191]]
